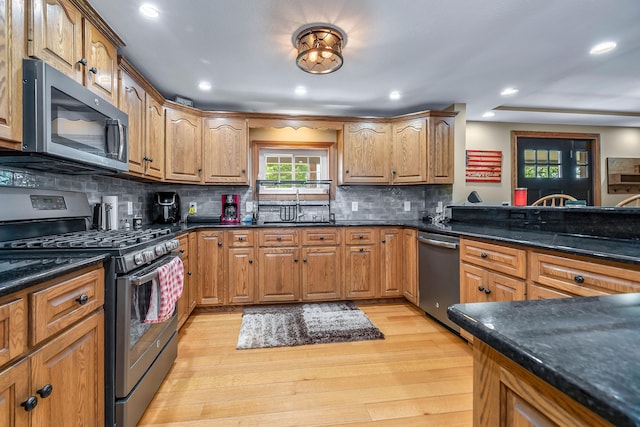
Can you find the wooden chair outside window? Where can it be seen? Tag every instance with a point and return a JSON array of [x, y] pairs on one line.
[[630, 202], [556, 200]]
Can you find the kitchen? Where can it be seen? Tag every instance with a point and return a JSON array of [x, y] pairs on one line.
[[135, 196]]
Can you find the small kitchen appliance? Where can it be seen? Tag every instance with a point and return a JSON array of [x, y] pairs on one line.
[[166, 207], [230, 208]]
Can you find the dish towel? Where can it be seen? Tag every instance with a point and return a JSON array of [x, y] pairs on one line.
[[165, 291]]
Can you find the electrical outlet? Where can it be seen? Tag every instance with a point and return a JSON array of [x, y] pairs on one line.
[[193, 208], [354, 206], [439, 208], [129, 208], [249, 207], [407, 206]]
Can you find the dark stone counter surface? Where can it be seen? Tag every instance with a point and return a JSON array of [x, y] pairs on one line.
[[19, 271], [588, 348]]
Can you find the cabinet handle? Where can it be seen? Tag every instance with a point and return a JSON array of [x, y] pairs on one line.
[[361, 237], [83, 61], [45, 391], [579, 279], [384, 241], [30, 403], [93, 70], [483, 255], [393, 171], [347, 171], [278, 238], [481, 288], [295, 260], [189, 273], [199, 170], [82, 299], [361, 249], [240, 238], [243, 171], [487, 291], [150, 159], [250, 261], [145, 158], [181, 251], [304, 260], [219, 243], [321, 237]]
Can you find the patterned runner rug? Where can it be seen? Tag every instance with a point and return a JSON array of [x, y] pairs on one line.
[[298, 324]]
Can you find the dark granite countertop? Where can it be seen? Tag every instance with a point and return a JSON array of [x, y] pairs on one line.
[[586, 347], [20, 271]]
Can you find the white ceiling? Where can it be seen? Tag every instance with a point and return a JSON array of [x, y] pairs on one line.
[[434, 52]]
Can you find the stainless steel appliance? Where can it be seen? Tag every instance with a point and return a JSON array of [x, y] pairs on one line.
[[137, 355], [166, 207], [66, 127], [439, 275]]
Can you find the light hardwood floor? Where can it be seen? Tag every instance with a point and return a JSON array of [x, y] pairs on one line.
[[419, 375]]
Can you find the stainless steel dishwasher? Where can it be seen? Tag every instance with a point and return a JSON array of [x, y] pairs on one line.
[[439, 275]]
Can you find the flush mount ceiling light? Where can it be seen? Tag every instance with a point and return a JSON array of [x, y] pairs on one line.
[[394, 96], [319, 48], [509, 91], [602, 48], [149, 11]]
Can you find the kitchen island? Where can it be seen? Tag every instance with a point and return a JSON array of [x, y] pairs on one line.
[[564, 361]]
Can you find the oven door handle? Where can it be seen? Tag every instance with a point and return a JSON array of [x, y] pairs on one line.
[[150, 275]]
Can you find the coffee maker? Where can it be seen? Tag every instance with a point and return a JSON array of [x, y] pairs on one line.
[[230, 208]]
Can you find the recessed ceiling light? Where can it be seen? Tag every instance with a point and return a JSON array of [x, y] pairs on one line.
[[301, 90], [489, 114], [204, 86], [602, 48], [149, 11], [395, 95], [509, 91]]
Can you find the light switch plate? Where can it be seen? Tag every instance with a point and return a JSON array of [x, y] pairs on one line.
[[354, 206], [407, 206], [249, 207], [129, 208]]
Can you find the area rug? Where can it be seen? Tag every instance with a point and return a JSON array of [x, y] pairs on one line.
[[299, 324]]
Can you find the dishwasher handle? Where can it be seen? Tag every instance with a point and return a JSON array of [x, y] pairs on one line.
[[438, 243]]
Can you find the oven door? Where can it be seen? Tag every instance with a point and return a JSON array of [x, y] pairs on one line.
[[138, 344]]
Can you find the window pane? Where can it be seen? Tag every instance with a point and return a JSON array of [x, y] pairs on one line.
[[542, 172], [582, 172], [555, 172], [582, 157], [529, 171], [529, 156], [542, 156], [286, 176], [555, 156]]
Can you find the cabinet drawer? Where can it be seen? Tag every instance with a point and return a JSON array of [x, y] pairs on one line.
[[321, 237], [582, 278], [60, 305], [278, 237], [361, 235], [504, 259], [240, 238], [13, 329], [184, 245]]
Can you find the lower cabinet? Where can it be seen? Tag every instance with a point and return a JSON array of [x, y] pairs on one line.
[[391, 242], [241, 275], [278, 274], [210, 271], [480, 285], [321, 273], [410, 265], [361, 271]]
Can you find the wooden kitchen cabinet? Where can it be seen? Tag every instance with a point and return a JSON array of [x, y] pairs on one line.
[[391, 265], [210, 268], [146, 123], [14, 390], [410, 266], [241, 267], [61, 35], [361, 267], [365, 153], [225, 151], [440, 146], [409, 148], [184, 303], [278, 265], [183, 145], [321, 275], [12, 42]]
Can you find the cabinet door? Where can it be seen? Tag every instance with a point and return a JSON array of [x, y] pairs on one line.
[[183, 303], [193, 270], [132, 101], [409, 152], [210, 267], [535, 291], [73, 364], [13, 324], [361, 276], [321, 273], [440, 146], [241, 271], [278, 274], [473, 284], [504, 288], [366, 153], [183, 146], [14, 390], [391, 262], [225, 151], [11, 53], [101, 72], [56, 32], [410, 265], [154, 138]]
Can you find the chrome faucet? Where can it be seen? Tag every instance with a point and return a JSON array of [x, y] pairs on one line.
[[299, 213]]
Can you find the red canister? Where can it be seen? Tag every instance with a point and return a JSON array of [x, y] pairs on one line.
[[520, 197]]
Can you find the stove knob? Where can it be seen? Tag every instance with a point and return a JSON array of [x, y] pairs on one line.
[[169, 245], [148, 256], [138, 259], [160, 250]]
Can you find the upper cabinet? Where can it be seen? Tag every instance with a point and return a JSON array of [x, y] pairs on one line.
[[225, 151], [365, 153], [440, 149], [11, 53], [183, 145], [61, 35], [409, 148]]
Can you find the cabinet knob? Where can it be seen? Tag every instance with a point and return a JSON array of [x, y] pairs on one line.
[[45, 391], [483, 255], [393, 171], [145, 158], [82, 299], [243, 171], [487, 291], [93, 70], [481, 288], [347, 171], [295, 260], [384, 241], [181, 251], [361, 249], [189, 273], [83, 61], [361, 237], [240, 238], [250, 261], [30, 403], [199, 170], [304, 260], [579, 279], [150, 159], [219, 243], [321, 237], [278, 238]]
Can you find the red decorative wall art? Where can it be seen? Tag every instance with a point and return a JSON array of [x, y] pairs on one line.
[[483, 166]]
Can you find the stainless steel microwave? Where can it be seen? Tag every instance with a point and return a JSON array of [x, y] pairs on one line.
[[65, 122]]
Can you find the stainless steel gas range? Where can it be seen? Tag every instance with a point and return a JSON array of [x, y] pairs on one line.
[[138, 355]]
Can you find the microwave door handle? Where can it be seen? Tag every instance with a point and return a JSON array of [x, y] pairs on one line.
[[120, 140]]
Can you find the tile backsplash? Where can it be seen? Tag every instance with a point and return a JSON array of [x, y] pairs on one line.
[[374, 202]]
